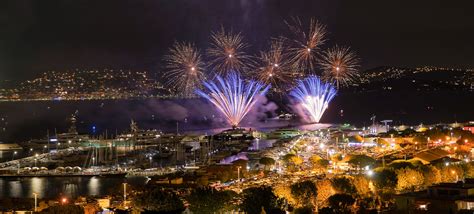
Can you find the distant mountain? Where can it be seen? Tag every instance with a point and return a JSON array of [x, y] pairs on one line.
[[86, 84], [420, 79]]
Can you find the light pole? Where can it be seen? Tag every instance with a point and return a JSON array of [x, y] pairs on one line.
[[35, 161], [151, 159], [238, 173], [14, 153], [124, 193], [36, 201]]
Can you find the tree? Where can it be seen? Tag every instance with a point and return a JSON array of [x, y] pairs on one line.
[[469, 170], [267, 161], [209, 200], [409, 179], [293, 161], [325, 190], [361, 184], [400, 164], [297, 160], [287, 157], [341, 203], [451, 173], [157, 200], [255, 198], [305, 193], [303, 210], [326, 210], [336, 157], [385, 179], [432, 175], [343, 185], [319, 164], [361, 161], [284, 191]]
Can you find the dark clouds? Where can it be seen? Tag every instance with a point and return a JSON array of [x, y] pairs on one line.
[[61, 34]]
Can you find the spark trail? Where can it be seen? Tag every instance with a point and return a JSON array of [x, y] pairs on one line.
[[233, 96], [314, 95]]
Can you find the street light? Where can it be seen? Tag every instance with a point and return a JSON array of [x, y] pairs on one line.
[[238, 173], [151, 159], [36, 201], [35, 161], [14, 153], [124, 193]]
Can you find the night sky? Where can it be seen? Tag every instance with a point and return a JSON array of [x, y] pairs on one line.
[[41, 35]]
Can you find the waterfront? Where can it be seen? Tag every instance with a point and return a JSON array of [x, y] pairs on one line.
[[26, 120], [71, 187]]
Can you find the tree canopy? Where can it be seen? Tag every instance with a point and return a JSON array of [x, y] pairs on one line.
[[158, 200], [343, 185], [305, 193], [341, 203], [266, 161], [255, 198], [384, 178], [209, 200], [361, 160]]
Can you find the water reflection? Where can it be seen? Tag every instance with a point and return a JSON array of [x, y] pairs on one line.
[[2, 184], [71, 187], [93, 186], [16, 189], [70, 190], [37, 185]]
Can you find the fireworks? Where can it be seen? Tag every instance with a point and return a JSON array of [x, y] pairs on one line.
[[339, 65], [232, 96], [227, 52], [305, 43], [184, 68], [275, 68], [314, 95]]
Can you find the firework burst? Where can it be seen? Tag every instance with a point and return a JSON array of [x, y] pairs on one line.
[[340, 66], [184, 68], [232, 96], [227, 52], [314, 95], [304, 44], [275, 69]]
